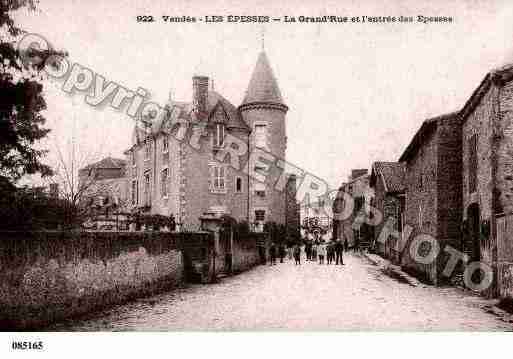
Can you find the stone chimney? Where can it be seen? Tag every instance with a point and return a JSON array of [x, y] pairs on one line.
[[200, 93], [358, 173]]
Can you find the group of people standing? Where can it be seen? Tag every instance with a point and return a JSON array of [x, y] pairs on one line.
[[315, 250], [333, 250]]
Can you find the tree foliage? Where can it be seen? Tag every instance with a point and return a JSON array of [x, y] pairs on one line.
[[29, 208], [21, 103]]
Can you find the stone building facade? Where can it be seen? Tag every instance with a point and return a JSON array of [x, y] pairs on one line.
[[387, 182], [433, 190], [487, 164], [180, 162], [349, 221]]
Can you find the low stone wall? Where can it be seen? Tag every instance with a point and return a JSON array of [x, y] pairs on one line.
[[245, 251], [48, 276]]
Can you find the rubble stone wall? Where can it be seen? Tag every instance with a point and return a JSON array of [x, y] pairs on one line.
[[49, 276]]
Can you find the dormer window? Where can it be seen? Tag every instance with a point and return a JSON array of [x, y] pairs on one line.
[[219, 135]]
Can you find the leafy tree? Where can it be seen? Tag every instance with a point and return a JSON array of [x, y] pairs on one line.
[[29, 208], [21, 103]]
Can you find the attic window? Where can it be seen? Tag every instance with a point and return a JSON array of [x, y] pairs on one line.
[[219, 135]]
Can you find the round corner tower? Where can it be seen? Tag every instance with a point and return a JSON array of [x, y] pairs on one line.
[[264, 110]]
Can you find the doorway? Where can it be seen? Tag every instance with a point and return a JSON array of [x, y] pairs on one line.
[[474, 245]]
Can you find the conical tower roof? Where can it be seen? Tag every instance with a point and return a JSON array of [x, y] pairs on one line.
[[263, 87]]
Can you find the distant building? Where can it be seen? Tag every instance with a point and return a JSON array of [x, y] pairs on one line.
[[349, 220], [387, 182], [315, 217], [105, 194], [433, 189]]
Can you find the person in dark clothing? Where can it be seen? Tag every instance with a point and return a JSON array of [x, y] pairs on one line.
[[330, 252], [297, 254], [339, 249], [272, 253], [308, 250], [346, 245], [282, 252]]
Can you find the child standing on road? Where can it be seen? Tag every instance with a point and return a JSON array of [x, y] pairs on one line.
[[322, 252], [297, 254], [330, 251]]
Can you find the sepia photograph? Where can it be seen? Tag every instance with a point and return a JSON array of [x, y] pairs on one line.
[[287, 167]]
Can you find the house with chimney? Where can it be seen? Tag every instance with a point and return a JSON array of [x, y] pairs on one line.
[[173, 167]]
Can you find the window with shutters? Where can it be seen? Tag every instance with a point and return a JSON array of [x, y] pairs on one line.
[[260, 215], [218, 179], [238, 185], [164, 175], [472, 164], [261, 136]]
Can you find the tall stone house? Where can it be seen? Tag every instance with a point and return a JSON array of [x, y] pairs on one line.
[[433, 190], [351, 226], [387, 182], [487, 163], [173, 166]]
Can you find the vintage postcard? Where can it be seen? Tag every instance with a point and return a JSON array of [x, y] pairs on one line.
[[294, 166]]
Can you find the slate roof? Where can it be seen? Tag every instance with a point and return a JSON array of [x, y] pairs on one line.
[[234, 118], [498, 75], [263, 86], [107, 163], [183, 110], [392, 174], [426, 128]]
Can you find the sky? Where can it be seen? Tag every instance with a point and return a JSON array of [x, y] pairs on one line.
[[356, 92]]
